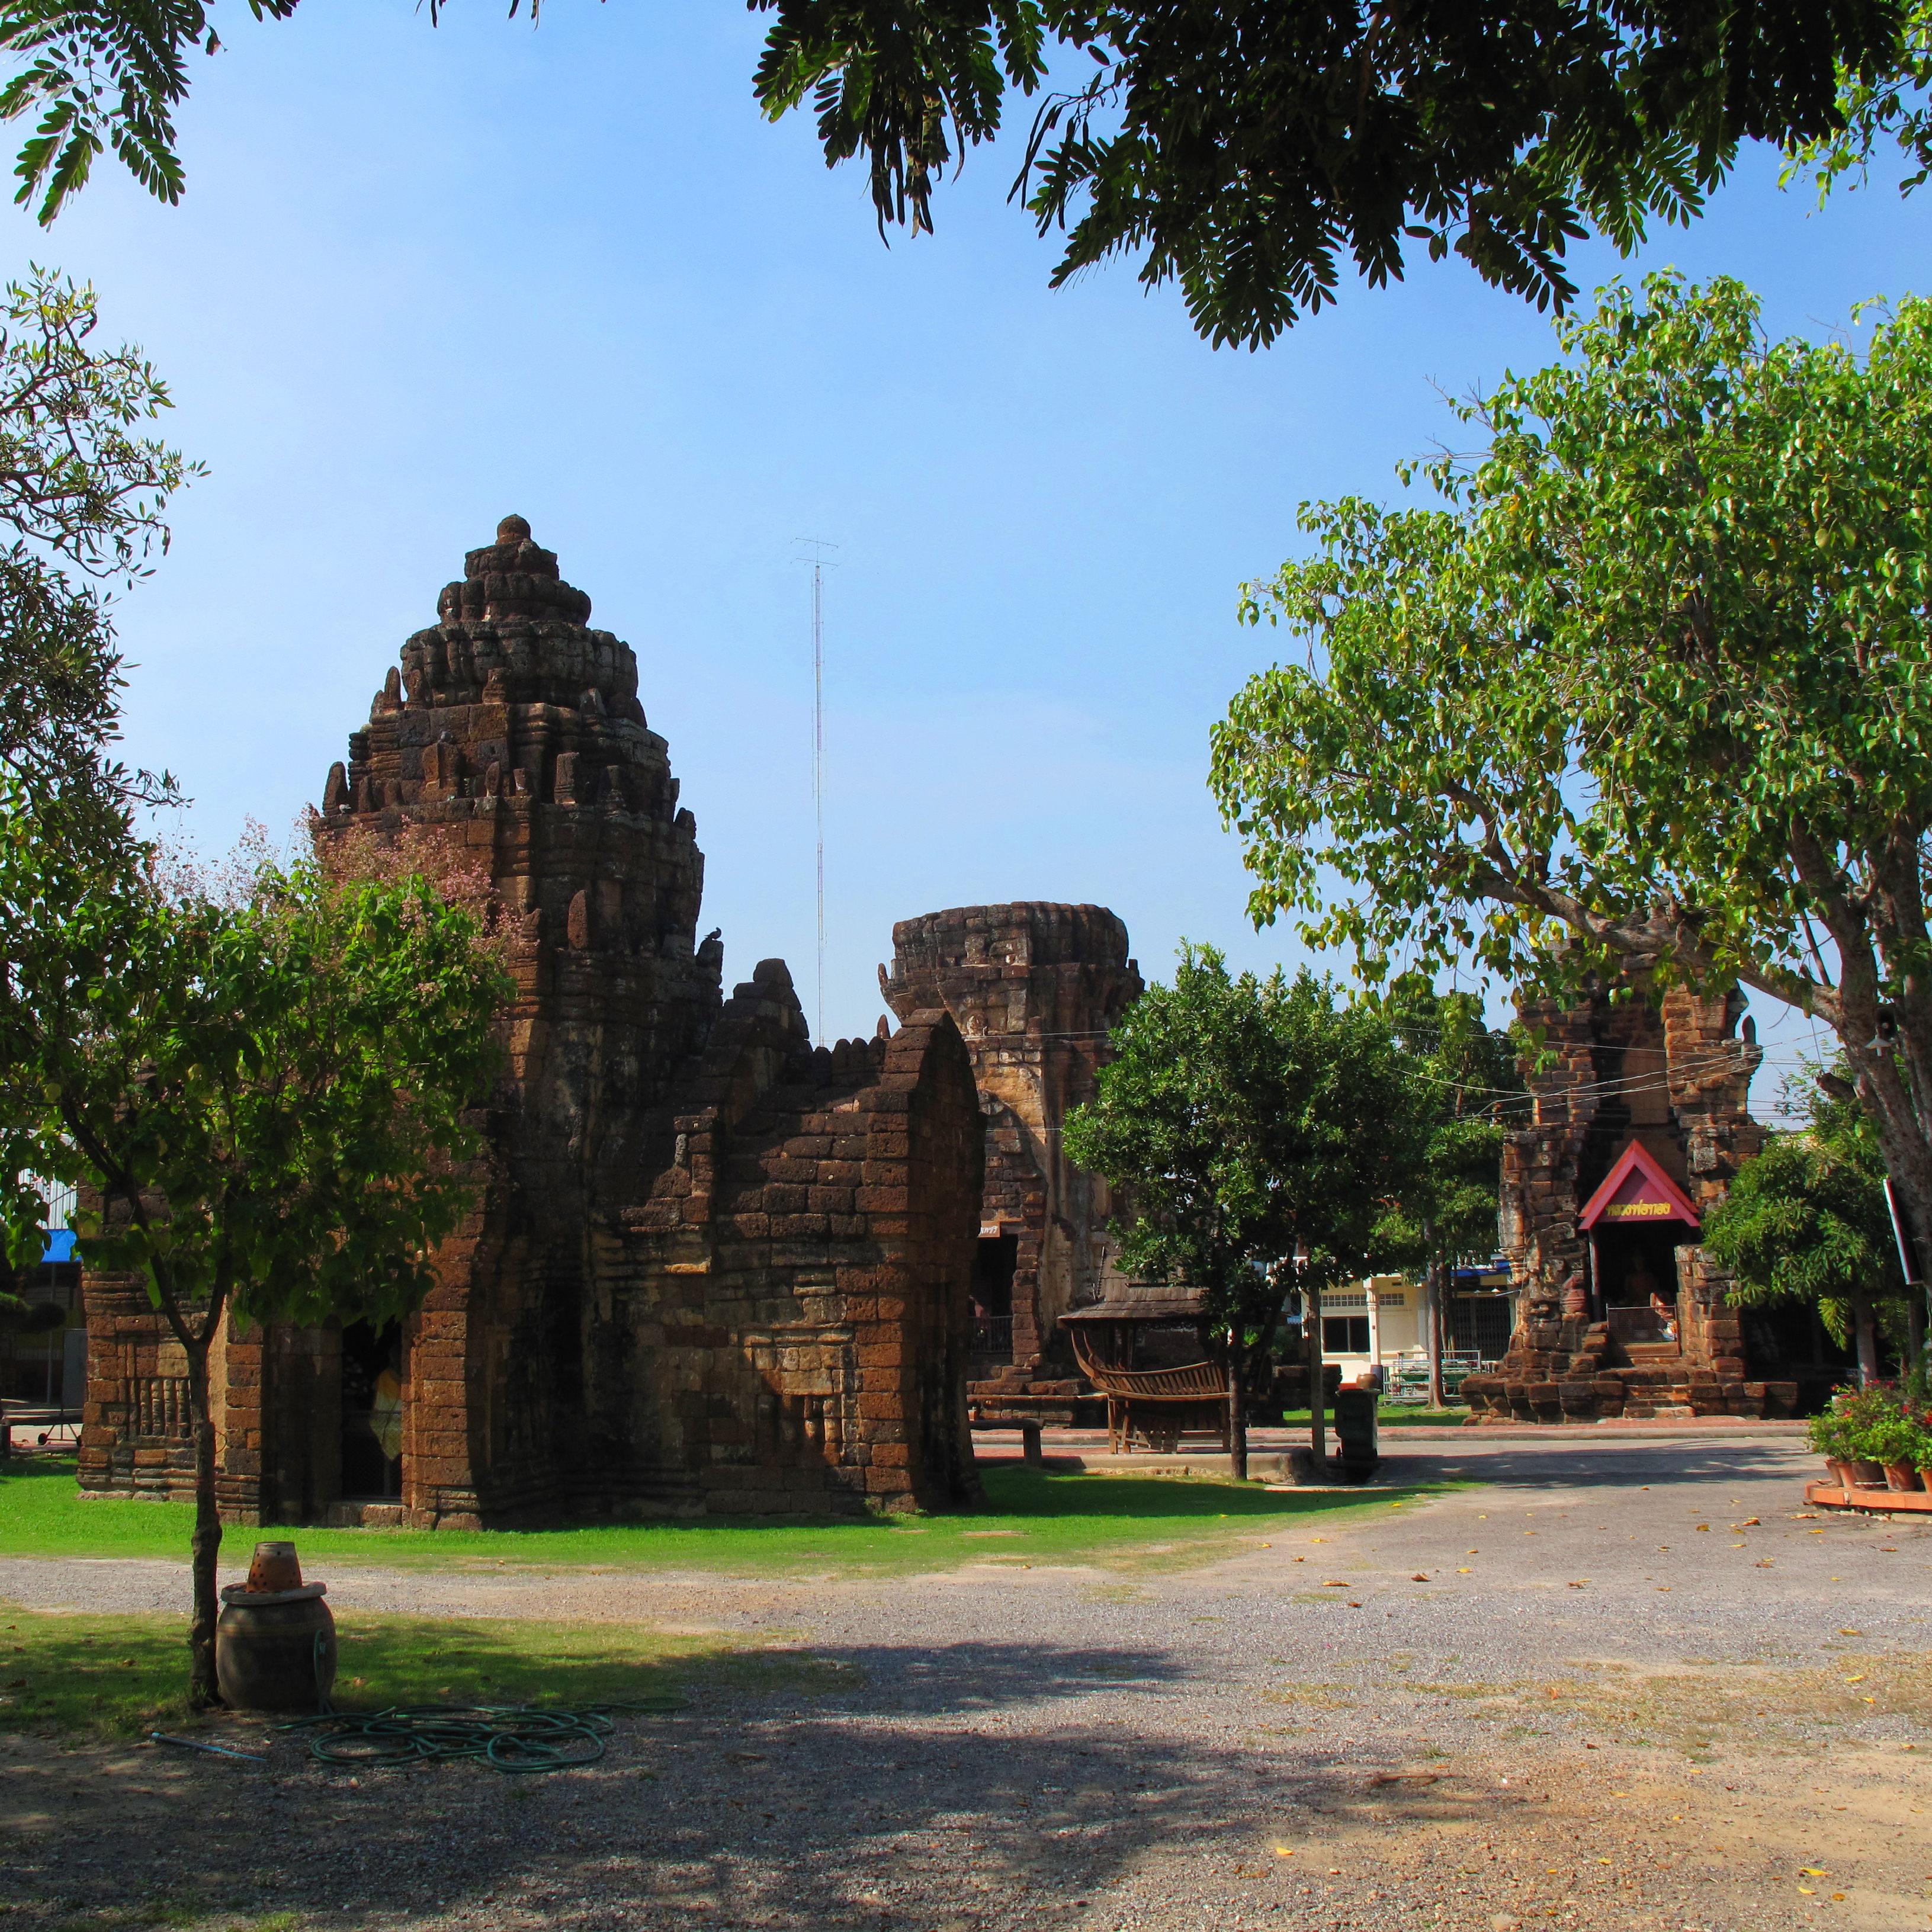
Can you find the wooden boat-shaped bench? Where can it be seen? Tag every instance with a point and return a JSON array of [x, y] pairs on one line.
[[1157, 1406]]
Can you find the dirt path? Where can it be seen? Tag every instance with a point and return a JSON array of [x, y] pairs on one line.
[[1551, 1699]]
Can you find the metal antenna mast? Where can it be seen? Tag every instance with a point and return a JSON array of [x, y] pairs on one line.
[[818, 548]]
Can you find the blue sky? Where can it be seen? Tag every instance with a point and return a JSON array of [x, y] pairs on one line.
[[423, 277]]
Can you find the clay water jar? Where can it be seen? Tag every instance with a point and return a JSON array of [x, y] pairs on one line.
[[275, 1567], [274, 1649]]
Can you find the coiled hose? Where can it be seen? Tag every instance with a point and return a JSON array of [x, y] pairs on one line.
[[509, 1737]]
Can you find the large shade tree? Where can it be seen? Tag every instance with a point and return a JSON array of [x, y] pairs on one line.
[[1651, 692], [1260, 1128], [1255, 151]]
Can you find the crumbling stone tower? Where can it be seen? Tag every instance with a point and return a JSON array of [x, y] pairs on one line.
[[1671, 1078], [711, 1267], [514, 730], [1034, 988]]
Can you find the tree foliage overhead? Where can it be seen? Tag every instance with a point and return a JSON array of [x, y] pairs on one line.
[[101, 74], [1891, 111], [1255, 151]]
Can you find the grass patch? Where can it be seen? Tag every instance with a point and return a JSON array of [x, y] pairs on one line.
[[1033, 1516], [1387, 1416], [123, 1675]]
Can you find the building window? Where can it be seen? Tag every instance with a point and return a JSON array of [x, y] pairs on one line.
[[1344, 1334]]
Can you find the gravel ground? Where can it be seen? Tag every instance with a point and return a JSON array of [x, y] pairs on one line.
[[1476, 1711]]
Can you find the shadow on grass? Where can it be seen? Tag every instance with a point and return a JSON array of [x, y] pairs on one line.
[[1032, 1516], [122, 1676]]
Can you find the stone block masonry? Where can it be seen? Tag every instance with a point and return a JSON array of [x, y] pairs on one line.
[[710, 1268]]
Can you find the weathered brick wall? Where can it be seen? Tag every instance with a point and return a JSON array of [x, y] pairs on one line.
[[802, 1264], [1034, 988]]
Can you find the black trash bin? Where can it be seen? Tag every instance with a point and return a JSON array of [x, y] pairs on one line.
[[1355, 1436]]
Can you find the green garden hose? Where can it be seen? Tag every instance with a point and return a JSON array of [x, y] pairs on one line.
[[509, 1737]]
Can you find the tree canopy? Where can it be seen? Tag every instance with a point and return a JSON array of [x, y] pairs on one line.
[[1652, 692], [1254, 151], [1250, 1121]]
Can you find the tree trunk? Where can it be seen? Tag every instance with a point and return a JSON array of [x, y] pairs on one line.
[[1864, 1332], [1436, 1302], [202, 1690], [1237, 1410], [1311, 1338]]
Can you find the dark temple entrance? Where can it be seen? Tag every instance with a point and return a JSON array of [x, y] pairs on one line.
[[372, 1412], [993, 1262]]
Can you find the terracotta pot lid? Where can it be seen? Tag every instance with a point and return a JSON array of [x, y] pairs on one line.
[[240, 1594]]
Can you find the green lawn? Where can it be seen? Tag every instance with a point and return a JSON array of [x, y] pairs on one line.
[[1389, 1416], [122, 1675], [1033, 1517]]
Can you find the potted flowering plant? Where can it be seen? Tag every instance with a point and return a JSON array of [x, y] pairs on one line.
[[1830, 1433], [1866, 1413], [1900, 1444]]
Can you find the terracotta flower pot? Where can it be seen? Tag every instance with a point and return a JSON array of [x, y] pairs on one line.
[[1901, 1476], [1867, 1475], [1842, 1472]]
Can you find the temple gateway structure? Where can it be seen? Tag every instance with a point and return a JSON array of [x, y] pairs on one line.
[[1640, 1123], [1034, 989], [711, 1267]]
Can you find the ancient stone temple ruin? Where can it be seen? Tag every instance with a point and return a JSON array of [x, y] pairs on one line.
[[1639, 1124], [712, 1267], [1034, 988]]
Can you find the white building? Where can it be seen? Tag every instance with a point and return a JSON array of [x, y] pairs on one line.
[[1372, 1322]]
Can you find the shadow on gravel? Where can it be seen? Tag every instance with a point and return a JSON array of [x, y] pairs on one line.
[[1589, 1467], [796, 1817]]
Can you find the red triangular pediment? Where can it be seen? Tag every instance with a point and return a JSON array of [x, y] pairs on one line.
[[1637, 1190]]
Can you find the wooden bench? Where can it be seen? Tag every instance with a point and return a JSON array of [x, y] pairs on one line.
[[1154, 1403]]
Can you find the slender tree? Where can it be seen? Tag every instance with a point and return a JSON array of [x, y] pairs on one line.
[[268, 1100], [1254, 1123], [1466, 1074], [1651, 694], [81, 494]]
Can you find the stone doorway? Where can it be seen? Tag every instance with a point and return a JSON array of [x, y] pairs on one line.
[[372, 1412], [1632, 1263], [995, 1262]]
